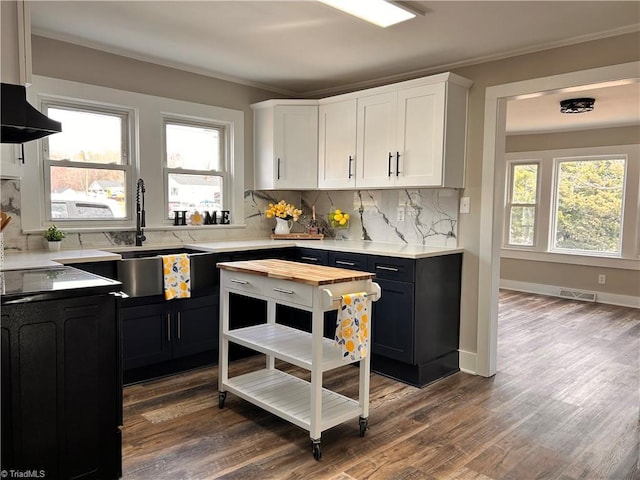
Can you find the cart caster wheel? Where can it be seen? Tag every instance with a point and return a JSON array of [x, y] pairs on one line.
[[317, 453], [364, 425], [222, 396]]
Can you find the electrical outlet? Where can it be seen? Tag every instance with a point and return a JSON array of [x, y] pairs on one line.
[[465, 204], [602, 279], [400, 215]]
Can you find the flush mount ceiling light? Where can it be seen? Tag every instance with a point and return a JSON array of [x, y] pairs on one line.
[[378, 12], [577, 105]]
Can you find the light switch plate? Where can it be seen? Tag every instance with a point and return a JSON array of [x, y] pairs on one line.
[[465, 204]]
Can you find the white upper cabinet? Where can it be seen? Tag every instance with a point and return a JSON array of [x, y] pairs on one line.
[[337, 144], [409, 134], [420, 136], [285, 145], [376, 139], [10, 161], [406, 135]]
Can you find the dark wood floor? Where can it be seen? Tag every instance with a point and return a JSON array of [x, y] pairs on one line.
[[563, 405]]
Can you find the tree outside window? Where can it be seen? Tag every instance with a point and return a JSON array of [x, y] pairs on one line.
[[522, 204], [588, 205]]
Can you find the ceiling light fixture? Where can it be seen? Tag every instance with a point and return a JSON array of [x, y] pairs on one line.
[[378, 12], [577, 105]]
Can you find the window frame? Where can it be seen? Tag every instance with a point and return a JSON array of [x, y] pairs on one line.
[[127, 134], [145, 144], [630, 252], [224, 136], [511, 164], [553, 223]]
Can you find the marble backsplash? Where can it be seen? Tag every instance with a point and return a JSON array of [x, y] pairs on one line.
[[411, 216], [430, 218]]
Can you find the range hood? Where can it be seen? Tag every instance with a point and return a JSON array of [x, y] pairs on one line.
[[21, 122]]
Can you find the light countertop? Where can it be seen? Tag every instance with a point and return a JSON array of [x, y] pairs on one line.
[[42, 259], [352, 246]]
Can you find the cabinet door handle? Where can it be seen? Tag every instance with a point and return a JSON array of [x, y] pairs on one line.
[[344, 262], [389, 169], [397, 163], [282, 290], [391, 269], [312, 259], [278, 169], [179, 325], [168, 327], [241, 282], [350, 161]]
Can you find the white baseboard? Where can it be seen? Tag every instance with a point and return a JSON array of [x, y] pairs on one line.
[[467, 362], [554, 291]]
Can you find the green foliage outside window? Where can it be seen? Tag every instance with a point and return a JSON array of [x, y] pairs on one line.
[[589, 205], [523, 204]]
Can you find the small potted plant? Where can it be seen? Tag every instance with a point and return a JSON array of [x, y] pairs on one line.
[[53, 235]]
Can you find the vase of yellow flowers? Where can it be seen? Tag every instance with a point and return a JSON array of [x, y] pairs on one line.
[[285, 214]]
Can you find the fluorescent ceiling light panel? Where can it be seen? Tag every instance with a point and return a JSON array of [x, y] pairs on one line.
[[378, 12]]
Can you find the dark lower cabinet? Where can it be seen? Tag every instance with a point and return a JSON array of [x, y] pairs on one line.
[[61, 388], [161, 334], [145, 335], [416, 322], [392, 334]]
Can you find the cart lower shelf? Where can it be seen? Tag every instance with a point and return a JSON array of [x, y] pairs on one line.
[[288, 344], [288, 397]]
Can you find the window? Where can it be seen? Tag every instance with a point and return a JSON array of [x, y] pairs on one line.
[[195, 167], [522, 204], [86, 166], [588, 205]]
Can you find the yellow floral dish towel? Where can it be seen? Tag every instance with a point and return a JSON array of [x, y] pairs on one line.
[[352, 326], [177, 276]]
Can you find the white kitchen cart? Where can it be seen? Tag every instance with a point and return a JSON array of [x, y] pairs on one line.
[[307, 287]]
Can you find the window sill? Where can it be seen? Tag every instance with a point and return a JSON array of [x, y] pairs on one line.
[[173, 227], [573, 259], [120, 228]]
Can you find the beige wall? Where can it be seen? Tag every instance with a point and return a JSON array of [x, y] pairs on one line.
[[57, 59], [584, 56], [581, 277], [619, 281], [53, 58], [599, 137]]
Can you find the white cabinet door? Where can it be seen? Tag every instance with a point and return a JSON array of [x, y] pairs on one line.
[[286, 147], [296, 146], [10, 161], [420, 136], [376, 140], [337, 145]]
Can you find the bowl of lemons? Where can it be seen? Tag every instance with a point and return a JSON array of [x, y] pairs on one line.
[[338, 219]]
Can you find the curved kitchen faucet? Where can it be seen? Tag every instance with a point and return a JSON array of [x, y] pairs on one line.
[[140, 223]]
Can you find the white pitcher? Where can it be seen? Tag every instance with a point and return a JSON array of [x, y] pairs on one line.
[[283, 227]]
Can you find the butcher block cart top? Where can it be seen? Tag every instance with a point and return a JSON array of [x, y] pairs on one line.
[[307, 287]]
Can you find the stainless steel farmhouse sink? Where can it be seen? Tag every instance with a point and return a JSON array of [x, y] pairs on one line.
[[141, 271]]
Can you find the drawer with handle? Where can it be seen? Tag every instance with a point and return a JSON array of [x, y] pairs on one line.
[[289, 292], [392, 268], [350, 261], [243, 282], [312, 255]]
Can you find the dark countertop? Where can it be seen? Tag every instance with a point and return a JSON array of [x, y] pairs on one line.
[[51, 283]]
